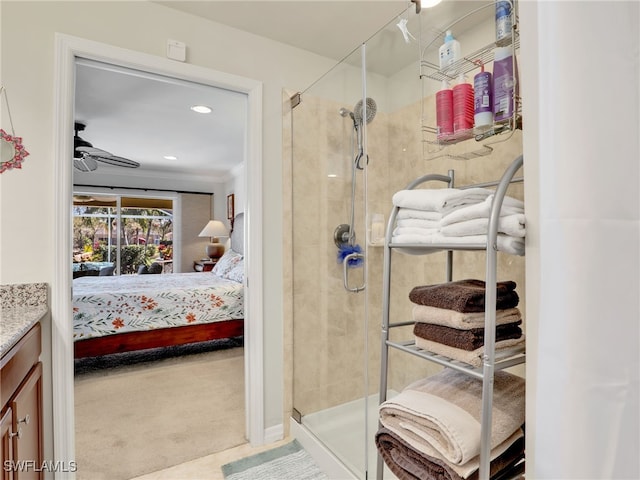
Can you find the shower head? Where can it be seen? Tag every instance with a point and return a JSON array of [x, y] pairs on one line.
[[372, 108]]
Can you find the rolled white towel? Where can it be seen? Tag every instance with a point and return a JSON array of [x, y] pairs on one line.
[[513, 225], [441, 200], [510, 206]]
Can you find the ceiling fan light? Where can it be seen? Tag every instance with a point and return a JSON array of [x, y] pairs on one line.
[[201, 109]]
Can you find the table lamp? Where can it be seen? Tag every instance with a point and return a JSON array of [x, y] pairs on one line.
[[213, 230]]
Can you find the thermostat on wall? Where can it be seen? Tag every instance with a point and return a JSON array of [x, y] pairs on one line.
[[176, 50]]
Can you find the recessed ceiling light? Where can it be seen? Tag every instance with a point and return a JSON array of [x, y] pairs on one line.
[[170, 157], [201, 109]]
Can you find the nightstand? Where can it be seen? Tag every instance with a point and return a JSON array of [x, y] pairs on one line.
[[204, 265]]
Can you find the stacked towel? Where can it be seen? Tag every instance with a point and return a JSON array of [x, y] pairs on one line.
[[464, 295], [407, 463], [457, 216], [433, 426], [449, 319], [443, 200], [471, 339]]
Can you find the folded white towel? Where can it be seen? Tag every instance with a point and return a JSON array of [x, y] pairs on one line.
[[441, 200], [398, 231], [417, 222], [417, 214], [510, 206], [443, 412], [461, 320], [513, 225], [506, 243]]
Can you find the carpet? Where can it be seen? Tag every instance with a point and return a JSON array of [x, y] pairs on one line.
[[143, 412], [288, 462]]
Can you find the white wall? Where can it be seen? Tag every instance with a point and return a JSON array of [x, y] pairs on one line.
[[582, 101], [26, 195]]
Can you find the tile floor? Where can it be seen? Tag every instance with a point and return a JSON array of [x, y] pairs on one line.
[[209, 467]]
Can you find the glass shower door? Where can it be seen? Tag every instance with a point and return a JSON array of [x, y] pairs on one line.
[[330, 333], [356, 140]]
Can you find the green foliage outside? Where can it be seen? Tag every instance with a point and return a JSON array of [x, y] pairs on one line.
[[131, 256]]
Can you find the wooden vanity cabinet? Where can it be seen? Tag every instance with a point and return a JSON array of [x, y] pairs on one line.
[[21, 396], [6, 454]]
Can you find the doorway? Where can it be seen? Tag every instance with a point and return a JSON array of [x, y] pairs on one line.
[[68, 49]]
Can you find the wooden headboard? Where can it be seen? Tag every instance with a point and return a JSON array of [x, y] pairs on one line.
[[237, 235]]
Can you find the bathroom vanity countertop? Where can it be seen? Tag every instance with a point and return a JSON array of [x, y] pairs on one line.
[[15, 322], [21, 307]]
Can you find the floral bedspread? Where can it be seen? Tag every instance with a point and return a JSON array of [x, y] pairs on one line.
[[108, 305]]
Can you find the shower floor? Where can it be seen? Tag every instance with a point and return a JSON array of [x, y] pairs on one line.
[[342, 430]]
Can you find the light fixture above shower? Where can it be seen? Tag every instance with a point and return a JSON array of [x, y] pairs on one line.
[[425, 4]]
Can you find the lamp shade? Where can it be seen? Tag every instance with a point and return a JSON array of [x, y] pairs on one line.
[[215, 228]]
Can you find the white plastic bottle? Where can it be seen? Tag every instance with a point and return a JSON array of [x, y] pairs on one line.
[[449, 51], [504, 22]]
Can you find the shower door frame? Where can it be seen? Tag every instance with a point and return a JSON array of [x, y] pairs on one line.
[[322, 452]]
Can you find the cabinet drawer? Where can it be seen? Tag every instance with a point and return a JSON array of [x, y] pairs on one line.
[[17, 362]]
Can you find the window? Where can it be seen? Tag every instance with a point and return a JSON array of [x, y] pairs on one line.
[[122, 231]]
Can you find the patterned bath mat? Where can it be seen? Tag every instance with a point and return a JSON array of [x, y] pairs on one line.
[[288, 462]]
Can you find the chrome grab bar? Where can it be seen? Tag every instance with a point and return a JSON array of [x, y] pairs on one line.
[[345, 272]]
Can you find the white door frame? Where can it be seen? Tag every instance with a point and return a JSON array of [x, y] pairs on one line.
[[67, 49]]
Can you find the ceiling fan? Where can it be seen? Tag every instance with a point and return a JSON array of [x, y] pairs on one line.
[[86, 156]]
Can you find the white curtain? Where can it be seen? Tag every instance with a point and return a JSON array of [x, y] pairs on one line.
[[585, 419]]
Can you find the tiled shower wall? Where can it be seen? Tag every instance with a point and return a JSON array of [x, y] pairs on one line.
[[329, 334]]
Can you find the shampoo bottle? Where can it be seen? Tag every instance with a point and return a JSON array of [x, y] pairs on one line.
[[504, 83], [462, 106], [482, 101], [444, 111], [449, 51]]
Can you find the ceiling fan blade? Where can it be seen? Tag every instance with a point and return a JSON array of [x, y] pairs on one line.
[[85, 164], [115, 161], [93, 151]]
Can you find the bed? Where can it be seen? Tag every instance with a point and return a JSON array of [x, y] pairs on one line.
[[115, 314]]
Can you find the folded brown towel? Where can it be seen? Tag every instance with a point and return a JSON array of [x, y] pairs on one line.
[[464, 295], [409, 464], [464, 339]]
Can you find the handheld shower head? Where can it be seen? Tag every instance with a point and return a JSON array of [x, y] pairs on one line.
[[372, 108]]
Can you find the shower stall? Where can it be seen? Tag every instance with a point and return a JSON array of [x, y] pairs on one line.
[[357, 135]]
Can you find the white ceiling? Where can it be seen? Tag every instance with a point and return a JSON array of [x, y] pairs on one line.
[[137, 116], [144, 117]]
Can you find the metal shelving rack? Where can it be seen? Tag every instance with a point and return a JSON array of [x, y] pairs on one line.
[[491, 362]]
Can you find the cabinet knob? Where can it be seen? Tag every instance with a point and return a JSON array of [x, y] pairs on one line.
[[16, 434], [25, 420]]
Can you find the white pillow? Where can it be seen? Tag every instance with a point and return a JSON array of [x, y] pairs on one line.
[[226, 263], [236, 273]]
